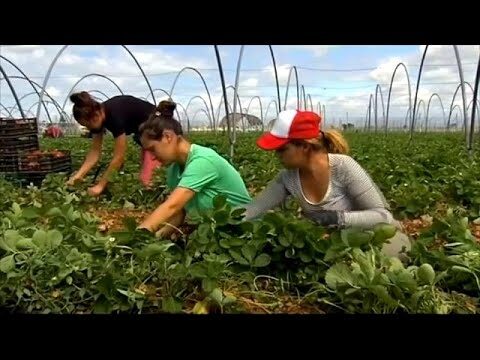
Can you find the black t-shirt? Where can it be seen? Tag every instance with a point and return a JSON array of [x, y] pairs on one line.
[[125, 113]]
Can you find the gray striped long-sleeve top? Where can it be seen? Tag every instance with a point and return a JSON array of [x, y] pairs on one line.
[[351, 192]]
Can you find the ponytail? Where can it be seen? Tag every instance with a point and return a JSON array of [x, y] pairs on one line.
[[334, 142]]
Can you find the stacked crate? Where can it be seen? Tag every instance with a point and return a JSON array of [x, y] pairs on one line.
[[16, 136], [21, 156]]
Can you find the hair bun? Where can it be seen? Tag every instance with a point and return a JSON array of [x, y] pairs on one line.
[[81, 98], [166, 107]]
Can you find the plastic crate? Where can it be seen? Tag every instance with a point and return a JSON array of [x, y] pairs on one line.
[[18, 127], [44, 162], [14, 144], [8, 163]]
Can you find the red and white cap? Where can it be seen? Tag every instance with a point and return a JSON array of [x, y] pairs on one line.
[[291, 124]]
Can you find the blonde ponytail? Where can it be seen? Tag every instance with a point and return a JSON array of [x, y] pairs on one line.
[[334, 142]]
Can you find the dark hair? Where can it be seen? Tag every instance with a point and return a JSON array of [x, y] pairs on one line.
[[161, 119], [84, 106]]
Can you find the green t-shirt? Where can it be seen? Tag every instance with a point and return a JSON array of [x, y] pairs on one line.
[[209, 175]]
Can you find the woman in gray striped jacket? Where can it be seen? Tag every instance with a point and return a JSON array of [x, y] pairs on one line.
[[330, 186]]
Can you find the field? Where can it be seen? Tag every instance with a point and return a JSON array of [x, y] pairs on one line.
[[63, 252]]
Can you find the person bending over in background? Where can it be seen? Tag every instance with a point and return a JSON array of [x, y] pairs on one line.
[[121, 115]]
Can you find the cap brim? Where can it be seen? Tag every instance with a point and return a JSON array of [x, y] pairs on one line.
[[270, 142]]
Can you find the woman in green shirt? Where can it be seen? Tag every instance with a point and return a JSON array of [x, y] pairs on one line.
[[195, 174]]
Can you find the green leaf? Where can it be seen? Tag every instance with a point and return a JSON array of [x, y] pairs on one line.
[[102, 306], [55, 238], [209, 284], [262, 260], [217, 296], [224, 243], [298, 242], [229, 300], [382, 293], [338, 274], [406, 281], [130, 223], [10, 239], [204, 233], [171, 305], [237, 257], [219, 201], [40, 238], [221, 217], [356, 238], [236, 241], [30, 213], [155, 249], [198, 270], [306, 258], [7, 263], [54, 212], [284, 241], [249, 251], [25, 244]]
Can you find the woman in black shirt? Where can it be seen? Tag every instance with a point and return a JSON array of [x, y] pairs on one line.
[[122, 116]]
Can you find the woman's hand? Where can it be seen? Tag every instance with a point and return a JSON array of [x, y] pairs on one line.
[[96, 190]]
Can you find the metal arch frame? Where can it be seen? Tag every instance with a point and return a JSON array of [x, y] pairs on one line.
[[57, 56], [462, 82], [8, 111], [166, 93], [196, 112], [261, 109], [100, 92], [304, 97], [83, 78], [456, 106], [428, 110], [475, 104], [377, 88], [33, 93], [370, 100], [186, 116], [206, 107], [390, 92], [204, 84], [324, 114], [30, 82], [311, 102], [36, 103], [455, 96], [159, 89], [268, 108], [288, 87], [224, 93], [477, 108], [319, 108], [237, 79], [424, 109], [61, 112], [15, 108], [14, 93], [231, 109]]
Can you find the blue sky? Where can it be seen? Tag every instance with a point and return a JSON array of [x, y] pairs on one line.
[[333, 77]]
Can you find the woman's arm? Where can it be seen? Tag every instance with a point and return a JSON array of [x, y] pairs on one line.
[[371, 207], [90, 160], [273, 195], [170, 207]]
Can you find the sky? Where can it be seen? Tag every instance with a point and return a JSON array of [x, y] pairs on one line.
[[341, 78]]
